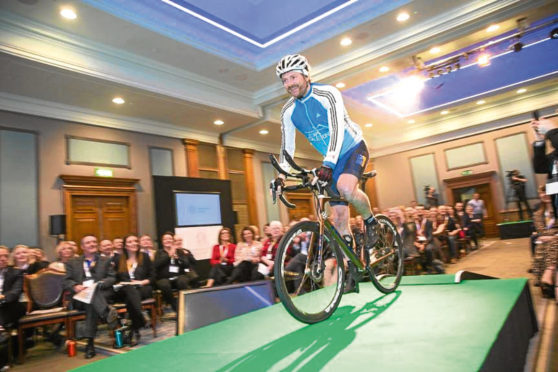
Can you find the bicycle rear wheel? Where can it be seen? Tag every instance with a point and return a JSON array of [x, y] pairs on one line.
[[309, 280], [385, 260]]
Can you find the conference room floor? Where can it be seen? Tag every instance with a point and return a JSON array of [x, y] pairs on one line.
[[498, 258]]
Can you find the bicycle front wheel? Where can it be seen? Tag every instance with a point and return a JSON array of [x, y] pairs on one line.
[[385, 260], [309, 272]]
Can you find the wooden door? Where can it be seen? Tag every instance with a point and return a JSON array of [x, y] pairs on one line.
[[105, 217], [463, 188], [104, 207]]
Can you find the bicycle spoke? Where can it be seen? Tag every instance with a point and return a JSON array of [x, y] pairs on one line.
[[304, 271]]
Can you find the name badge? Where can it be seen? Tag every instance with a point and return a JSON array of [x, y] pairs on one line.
[[173, 269], [186, 270], [552, 186], [88, 283]]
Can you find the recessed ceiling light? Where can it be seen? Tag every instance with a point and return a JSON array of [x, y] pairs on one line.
[[434, 50], [483, 60], [346, 41], [68, 13], [218, 122], [521, 90], [403, 16], [411, 121], [384, 69], [368, 125], [445, 112], [118, 100], [264, 131], [340, 85], [492, 28], [481, 102]]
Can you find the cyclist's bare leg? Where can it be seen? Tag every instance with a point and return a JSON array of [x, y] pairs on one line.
[[347, 185]]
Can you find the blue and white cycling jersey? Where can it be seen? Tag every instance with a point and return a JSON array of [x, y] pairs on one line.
[[321, 116]]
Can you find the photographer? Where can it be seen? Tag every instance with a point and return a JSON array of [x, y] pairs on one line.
[[517, 182]]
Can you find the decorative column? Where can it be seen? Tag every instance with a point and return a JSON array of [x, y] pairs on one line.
[[249, 178], [192, 159], [222, 162]]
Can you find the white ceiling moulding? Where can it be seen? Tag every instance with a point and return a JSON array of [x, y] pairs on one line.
[[477, 122], [409, 41], [24, 38], [36, 107]]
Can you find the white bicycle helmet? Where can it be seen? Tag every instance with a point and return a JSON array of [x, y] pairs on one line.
[[293, 62]]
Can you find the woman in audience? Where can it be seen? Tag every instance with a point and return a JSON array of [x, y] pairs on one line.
[[222, 259], [20, 258], [246, 257], [135, 275], [170, 269], [64, 253], [432, 229]]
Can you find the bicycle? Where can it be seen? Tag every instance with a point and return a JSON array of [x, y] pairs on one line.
[[309, 265]]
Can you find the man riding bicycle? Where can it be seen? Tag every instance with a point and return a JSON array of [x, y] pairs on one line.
[[318, 112]]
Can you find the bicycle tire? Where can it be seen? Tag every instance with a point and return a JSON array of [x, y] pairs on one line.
[[302, 281], [387, 275]]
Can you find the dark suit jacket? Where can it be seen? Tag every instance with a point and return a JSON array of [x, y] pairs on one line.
[[13, 284], [162, 263], [102, 271], [144, 271]]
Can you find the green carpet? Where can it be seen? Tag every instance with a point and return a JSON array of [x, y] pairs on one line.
[[429, 324]]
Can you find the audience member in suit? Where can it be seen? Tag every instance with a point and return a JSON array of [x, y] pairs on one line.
[[134, 268], [81, 273], [171, 268], [222, 259], [432, 229], [11, 287], [246, 257]]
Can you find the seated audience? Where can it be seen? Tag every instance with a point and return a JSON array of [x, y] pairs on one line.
[[409, 234], [11, 288], [432, 229], [117, 245], [146, 246], [20, 258], [135, 273], [37, 260], [222, 259], [171, 266], [106, 248], [452, 231], [269, 249], [82, 273], [246, 257], [189, 260], [64, 253]]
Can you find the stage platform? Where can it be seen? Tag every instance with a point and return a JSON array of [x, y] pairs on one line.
[[430, 323]]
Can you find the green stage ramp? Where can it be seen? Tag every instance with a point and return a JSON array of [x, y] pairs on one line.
[[429, 324]]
